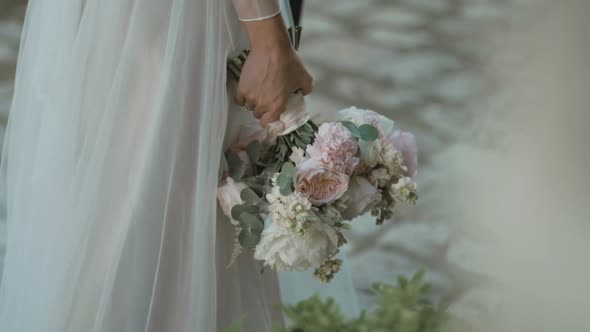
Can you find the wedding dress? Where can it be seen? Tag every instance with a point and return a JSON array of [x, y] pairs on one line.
[[110, 167]]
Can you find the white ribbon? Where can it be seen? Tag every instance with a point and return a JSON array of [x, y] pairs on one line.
[[295, 116]]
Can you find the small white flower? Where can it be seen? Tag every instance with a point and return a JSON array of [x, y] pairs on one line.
[[291, 211], [284, 249], [391, 159], [379, 177], [405, 190], [297, 155], [274, 194]]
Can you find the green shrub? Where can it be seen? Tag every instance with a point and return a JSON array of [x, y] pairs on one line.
[[405, 307]]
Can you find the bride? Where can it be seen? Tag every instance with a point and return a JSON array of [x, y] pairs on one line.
[[111, 161]]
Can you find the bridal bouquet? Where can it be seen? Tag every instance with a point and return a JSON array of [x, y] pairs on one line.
[[291, 189]]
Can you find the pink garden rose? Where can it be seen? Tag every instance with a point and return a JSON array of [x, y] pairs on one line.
[[319, 183], [335, 147], [360, 198], [405, 143]]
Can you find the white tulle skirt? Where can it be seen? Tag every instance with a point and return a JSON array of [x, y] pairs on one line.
[[109, 172]]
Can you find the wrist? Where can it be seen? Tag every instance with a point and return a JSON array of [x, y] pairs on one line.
[[269, 35]]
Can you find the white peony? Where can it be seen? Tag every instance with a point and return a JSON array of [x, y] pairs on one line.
[[360, 198], [228, 195], [286, 250]]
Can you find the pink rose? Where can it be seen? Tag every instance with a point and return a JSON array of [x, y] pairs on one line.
[[405, 143], [228, 195], [335, 147], [320, 184], [360, 198]]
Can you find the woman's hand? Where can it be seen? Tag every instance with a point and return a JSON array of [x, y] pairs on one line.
[[273, 71]]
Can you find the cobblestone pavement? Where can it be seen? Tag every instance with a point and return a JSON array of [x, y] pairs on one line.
[[418, 61]]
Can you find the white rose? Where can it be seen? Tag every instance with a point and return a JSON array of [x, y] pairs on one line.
[[284, 249], [228, 195], [360, 117], [370, 152], [360, 198]]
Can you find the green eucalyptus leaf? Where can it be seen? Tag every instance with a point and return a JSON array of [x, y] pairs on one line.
[[288, 169], [352, 127], [224, 164], [285, 185], [249, 239], [251, 222], [248, 195], [368, 133], [237, 167], [232, 158], [237, 210], [285, 178], [254, 150], [300, 143]]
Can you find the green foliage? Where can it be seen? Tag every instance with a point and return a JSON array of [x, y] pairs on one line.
[[352, 127], [303, 136], [238, 210], [368, 133], [248, 195], [315, 314], [365, 132], [285, 179], [273, 158], [404, 307], [249, 217], [249, 238], [252, 226], [236, 166], [254, 150]]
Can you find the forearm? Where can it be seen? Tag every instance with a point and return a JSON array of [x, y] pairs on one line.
[[264, 24], [252, 10], [268, 34]]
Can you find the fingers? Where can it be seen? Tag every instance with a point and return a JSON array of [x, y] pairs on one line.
[[259, 112], [240, 98], [270, 117]]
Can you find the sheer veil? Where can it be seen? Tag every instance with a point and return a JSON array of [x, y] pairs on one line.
[[110, 158]]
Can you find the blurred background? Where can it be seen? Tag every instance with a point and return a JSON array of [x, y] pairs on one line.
[[432, 66], [419, 62]]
